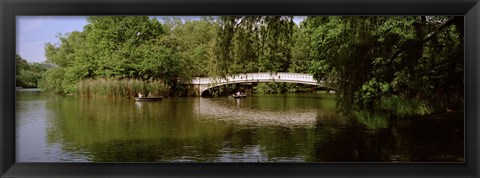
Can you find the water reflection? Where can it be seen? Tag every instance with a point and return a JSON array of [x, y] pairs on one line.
[[240, 113], [271, 128]]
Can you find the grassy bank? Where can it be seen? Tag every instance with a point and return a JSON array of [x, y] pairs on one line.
[[124, 88]]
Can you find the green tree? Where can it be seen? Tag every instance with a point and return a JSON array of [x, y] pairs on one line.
[[195, 40], [253, 44], [109, 47], [113, 43], [374, 57], [301, 50], [28, 75]]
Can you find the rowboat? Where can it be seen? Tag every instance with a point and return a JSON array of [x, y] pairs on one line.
[[148, 98], [239, 96]]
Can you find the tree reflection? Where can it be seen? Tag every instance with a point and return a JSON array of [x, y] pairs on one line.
[[221, 130]]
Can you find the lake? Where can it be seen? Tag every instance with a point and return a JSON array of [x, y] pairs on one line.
[[259, 128]]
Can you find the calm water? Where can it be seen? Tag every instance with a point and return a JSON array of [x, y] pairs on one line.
[[261, 128]]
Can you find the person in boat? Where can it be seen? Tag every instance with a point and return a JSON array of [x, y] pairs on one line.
[[140, 95], [332, 92], [235, 94]]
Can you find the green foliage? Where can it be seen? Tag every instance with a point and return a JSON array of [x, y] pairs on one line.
[[404, 107], [116, 88], [416, 57], [131, 47], [266, 88], [28, 74], [301, 50], [372, 121], [116, 43], [224, 90], [253, 44], [53, 82], [193, 42], [272, 87], [160, 63]]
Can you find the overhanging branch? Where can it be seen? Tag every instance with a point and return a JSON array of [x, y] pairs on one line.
[[444, 26]]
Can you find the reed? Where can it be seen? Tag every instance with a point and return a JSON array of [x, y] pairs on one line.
[[121, 88]]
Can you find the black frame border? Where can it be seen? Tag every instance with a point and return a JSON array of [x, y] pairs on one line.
[[9, 9]]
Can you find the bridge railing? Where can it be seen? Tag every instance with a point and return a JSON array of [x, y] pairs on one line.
[[256, 76]]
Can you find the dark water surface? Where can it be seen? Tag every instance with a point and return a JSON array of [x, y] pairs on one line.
[[261, 128]]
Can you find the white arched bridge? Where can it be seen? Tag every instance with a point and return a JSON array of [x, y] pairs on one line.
[[205, 83]]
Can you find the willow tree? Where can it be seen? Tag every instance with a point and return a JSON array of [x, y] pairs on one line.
[[195, 40], [301, 50], [373, 57], [253, 44]]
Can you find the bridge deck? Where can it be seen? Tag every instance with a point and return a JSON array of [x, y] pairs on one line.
[[210, 82], [260, 77]]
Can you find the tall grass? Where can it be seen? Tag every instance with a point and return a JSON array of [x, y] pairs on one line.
[[121, 88], [372, 120], [405, 107]]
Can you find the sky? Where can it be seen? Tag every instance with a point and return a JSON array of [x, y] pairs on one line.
[[33, 32]]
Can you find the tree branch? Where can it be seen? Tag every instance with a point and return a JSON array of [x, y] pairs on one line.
[[404, 46]]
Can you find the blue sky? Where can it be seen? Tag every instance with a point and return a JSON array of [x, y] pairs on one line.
[[34, 31]]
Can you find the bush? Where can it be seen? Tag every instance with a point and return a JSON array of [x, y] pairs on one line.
[[53, 81], [270, 88]]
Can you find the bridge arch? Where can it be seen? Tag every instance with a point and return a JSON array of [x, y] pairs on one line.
[[281, 77]]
